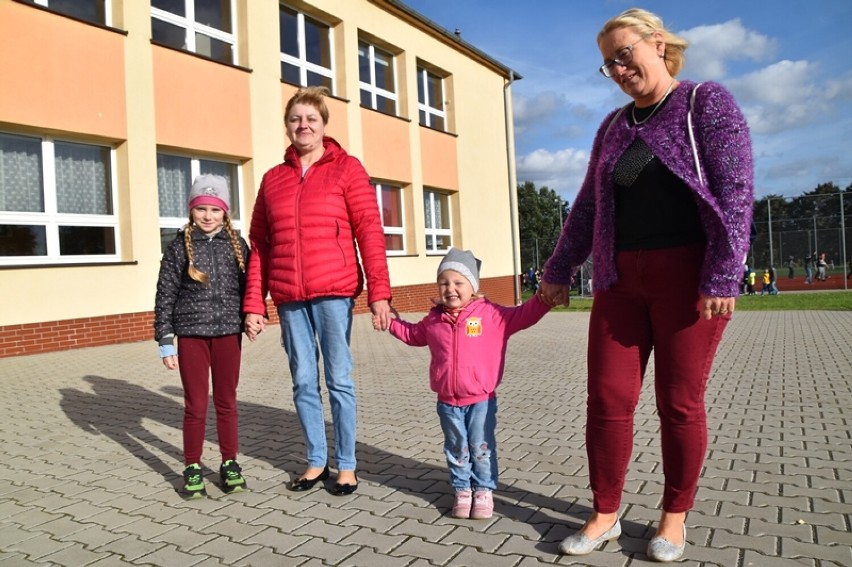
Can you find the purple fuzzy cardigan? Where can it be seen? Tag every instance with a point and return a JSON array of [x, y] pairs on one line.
[[724, 199]]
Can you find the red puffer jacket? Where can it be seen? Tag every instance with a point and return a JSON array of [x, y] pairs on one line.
[[304, 229]]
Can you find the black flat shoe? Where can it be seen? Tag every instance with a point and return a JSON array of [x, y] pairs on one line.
[[303, 484], [345, 489]]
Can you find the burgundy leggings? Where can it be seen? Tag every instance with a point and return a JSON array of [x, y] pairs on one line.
[[654, 306], [199, 359]]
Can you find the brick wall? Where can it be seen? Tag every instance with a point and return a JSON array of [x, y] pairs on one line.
[[34, 338]]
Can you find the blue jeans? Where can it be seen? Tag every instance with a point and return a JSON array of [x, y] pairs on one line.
[[309, 328], [470, 444]]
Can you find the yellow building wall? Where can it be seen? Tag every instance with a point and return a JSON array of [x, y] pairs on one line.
[[142, 98]]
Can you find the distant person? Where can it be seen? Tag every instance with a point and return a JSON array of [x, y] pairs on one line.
[[668, 194], [766, 282], [467, 336], [809, 268], [752, 279], [773, 281], [791, 268], [198, 301], [822, 266]]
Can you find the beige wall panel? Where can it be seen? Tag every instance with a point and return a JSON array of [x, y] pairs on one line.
[[387, 147], [439, 158], [201, 105], [60, 75]]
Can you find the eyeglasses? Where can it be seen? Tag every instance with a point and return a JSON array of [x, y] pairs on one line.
[[622, 58]]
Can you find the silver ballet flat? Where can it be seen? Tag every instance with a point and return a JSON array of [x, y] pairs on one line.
[[662, 550], [580, 544]]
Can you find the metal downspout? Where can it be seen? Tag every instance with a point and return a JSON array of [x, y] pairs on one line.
[[513, 192]]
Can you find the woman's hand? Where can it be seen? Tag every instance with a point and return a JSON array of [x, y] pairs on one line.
[[381, 314], [170, 362], [712, 306], [554, 294]]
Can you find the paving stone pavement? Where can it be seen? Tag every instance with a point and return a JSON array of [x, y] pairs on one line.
[[91, 455]]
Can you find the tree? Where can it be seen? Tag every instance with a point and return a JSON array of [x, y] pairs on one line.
[[540, 216]]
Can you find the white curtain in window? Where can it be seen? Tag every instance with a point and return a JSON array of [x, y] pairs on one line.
[[82, 179], [20, 174], [173, 183]]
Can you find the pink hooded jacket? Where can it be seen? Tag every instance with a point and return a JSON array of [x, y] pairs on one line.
[[468, 355]]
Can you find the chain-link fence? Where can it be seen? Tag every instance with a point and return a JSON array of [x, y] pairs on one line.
[[536, 251]]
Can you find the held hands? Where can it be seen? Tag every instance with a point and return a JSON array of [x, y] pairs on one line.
[[381, 314], [255, 324], [722, 306], [553, 294]]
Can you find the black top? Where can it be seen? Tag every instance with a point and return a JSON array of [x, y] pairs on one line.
[[653, 207]]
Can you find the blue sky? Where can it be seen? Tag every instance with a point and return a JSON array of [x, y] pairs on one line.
[[787, 62]]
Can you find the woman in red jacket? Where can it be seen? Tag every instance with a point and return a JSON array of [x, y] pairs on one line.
[[310, 212]]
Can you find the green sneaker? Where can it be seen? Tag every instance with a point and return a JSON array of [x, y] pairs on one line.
[[232, 479], [193, 483]]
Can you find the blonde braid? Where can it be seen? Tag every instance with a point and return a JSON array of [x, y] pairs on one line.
[[235, 242], [193, 272]]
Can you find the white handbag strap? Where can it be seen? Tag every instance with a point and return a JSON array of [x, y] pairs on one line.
[[692, 135]]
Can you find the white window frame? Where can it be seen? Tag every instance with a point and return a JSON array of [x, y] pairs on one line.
[[429, 214], [393, 230], [177, 223], [107, 10], [426, 107], [302, 62], [191, 27], [52, 219], [371, 87]]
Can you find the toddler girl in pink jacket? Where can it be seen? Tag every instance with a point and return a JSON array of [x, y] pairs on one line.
[[467, 337]]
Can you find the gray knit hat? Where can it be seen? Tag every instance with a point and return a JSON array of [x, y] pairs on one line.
[[210, 189], [463, 262]]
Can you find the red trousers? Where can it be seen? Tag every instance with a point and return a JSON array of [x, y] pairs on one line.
[[655, 306], [199, 358]]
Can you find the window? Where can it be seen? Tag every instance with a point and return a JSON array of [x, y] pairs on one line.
[[56, 201], [390, 207], [430, 99], [96, 11], [306, 50], [174, 179], [377, 78], [205, 27], [436, 208]]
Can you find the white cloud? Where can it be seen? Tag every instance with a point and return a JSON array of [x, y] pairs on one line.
[[711, 47], [561, 170]]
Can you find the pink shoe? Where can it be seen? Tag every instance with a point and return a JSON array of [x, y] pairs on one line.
[[461, 507], [483, 505]]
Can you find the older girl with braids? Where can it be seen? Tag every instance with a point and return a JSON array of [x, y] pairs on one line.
[[199, 300]]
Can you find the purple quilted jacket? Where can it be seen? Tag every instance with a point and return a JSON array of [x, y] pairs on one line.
[[724, 198]]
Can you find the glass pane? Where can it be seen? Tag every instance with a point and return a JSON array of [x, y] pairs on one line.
[[83, 179], [86, 240], [176, 7], [427, 208], [89, 10], [22, 240], [166, 237], [366, 99], [386, 105], [364, 62], [424, 118], [393, 242], [421, 91], [288, 31], [317, 80], [436, 122], [229, 172], [430, 242], [21, 179], [214, 13], [174, 178], [436, 96], [213, 48], [384, 70], [442, 211], [291, 74], [443, 242], [167, 34], [391, 207], [317, 45]]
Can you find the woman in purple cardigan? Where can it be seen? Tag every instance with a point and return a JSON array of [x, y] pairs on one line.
[[665, 211]]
